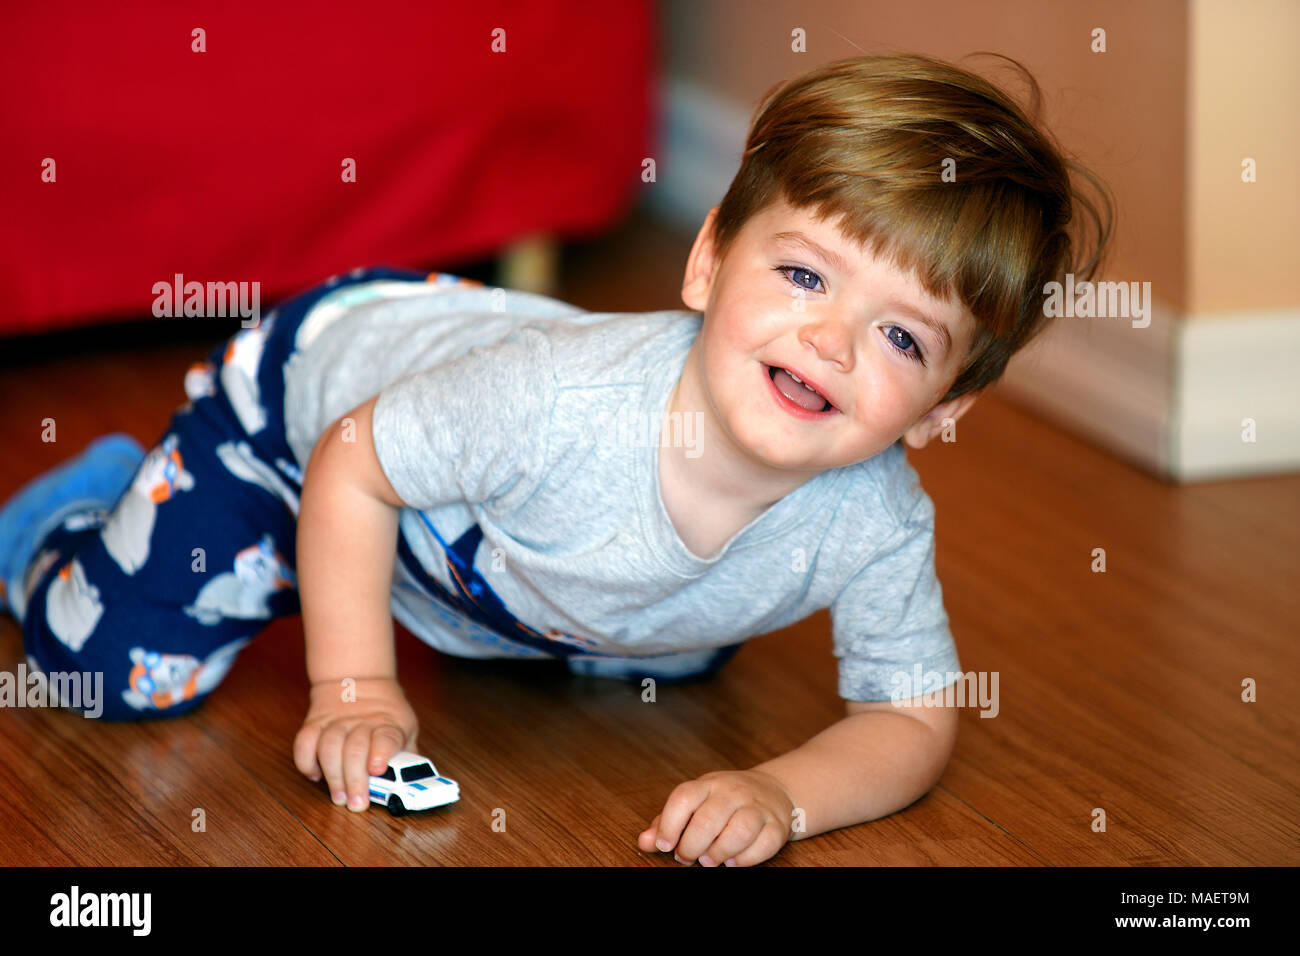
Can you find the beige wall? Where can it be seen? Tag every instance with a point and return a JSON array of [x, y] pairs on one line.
[[1122, 112], [1244, 238], [1185, 90]]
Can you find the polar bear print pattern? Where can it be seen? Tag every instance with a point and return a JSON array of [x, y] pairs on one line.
[[72, 605], [239, 369], [200, 382], [259, 572], [128, 530], [159, 681], [240, 461]]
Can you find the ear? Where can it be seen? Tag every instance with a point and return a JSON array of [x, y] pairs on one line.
[[932, 423], [700, 267]]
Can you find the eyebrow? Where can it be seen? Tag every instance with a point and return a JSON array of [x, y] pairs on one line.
[[838, 261], [935, 325], [834, 258]]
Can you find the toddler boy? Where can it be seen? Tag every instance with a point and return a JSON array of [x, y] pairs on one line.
[[510, 476]]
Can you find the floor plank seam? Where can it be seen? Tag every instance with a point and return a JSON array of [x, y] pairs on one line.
[[261, 783], [987, 818]]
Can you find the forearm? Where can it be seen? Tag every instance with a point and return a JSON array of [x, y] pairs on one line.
[[864, 767], [347, 540]]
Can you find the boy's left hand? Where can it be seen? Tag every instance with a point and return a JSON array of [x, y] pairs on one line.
[[739, 815]]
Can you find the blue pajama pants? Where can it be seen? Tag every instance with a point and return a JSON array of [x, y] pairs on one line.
[[160, 590]]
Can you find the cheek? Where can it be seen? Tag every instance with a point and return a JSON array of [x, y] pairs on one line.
[[743, 323], [727, 348], [887, 403]]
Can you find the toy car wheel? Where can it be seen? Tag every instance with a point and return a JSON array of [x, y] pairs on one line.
[[395, 806]]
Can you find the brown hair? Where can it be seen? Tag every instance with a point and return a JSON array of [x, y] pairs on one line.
[[865, 138]]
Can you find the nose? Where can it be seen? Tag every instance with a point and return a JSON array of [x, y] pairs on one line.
[[830, 334]]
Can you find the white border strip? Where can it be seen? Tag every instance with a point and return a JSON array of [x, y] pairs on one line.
[[1234, 367], [1104, 380]]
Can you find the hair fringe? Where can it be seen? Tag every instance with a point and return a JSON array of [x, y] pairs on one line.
[[1028, 212]]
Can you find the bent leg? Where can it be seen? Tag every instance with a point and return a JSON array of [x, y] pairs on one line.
[[157, 593], [159, 590]]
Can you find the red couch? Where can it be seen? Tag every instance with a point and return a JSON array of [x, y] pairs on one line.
[[226, 165]]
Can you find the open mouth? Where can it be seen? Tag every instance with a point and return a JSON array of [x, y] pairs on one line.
[[797, 393]]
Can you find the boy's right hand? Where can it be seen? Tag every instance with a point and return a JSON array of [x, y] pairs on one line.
[[348, 736]]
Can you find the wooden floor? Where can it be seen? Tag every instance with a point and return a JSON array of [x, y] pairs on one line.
[[1120, 691]]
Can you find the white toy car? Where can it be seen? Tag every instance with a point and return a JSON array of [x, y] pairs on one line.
[[411, 783]]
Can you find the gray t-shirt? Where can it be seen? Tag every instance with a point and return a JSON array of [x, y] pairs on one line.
[[539, 422]]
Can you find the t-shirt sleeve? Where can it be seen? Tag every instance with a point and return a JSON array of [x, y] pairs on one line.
[[474, 429], [890, 619]]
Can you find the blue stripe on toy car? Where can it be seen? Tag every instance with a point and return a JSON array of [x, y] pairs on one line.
[[419, 786]]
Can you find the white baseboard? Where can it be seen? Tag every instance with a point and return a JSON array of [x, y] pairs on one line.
[[1104, 380], [1173, 398], [1170, 398], [1232, 368]]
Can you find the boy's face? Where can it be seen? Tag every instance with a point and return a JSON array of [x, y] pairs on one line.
[[849, 326]]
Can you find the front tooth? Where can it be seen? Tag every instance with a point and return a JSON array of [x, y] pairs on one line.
[[796, 378]]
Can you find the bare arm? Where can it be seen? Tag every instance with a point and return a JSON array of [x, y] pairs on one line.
[[347, 542], [879, 759]]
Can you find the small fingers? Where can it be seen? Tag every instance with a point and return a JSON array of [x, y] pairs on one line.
[[741, 832], [304, 752], [329, 753], [387, 740], [766, 845], [646, 839], [707, 824], [356, 773], [681, 804]]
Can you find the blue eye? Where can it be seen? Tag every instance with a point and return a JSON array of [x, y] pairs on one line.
[[914, 356], [785, 270]]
